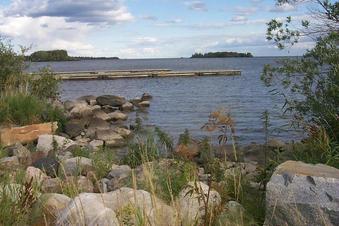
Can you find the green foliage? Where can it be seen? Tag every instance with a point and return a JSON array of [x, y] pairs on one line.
[[184, 138], [53, 55], [16, 198], [21, 109], [318, 149], [170, 181], [52, 113], [11, 65], [164, 139], [310, 84], [45, 85], [221, 55], [103, 159], [143, 150], [237, 187], [81, 152]]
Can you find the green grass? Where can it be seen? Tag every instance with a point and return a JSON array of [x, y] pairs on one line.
[[103, 160], [20, 109]]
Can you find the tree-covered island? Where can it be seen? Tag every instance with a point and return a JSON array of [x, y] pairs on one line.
[[59, 55], [220, 55]]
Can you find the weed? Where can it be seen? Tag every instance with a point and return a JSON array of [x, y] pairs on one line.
[[103, 159]]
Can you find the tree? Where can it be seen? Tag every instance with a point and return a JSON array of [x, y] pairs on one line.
[[309, 84], [12, 65]]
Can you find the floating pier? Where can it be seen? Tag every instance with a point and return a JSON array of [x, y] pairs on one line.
[[149, 73]]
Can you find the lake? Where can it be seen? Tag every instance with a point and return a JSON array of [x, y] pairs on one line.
[[186, 102]]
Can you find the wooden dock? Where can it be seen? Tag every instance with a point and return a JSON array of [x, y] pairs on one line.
[[149, 73]]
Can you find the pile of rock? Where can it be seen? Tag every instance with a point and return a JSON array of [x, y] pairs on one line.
[[99, 121]]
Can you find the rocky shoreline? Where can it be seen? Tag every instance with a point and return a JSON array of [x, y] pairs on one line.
[[82, 177]]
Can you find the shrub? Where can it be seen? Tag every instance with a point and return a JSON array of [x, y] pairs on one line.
[[45, 85], [20, 109], [11, 66], [103, 160], [144, 150]]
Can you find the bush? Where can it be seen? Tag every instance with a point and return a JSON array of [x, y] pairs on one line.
[[20, 109], [103, 160], [142, 151], [23, 109], [11, 66], [45, 85]]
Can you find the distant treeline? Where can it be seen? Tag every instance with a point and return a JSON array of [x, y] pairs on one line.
[[221, 54], [59, 55]]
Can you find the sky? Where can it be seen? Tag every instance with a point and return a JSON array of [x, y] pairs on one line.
[[146, 28]]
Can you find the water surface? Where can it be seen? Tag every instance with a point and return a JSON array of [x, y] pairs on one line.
[[186, 102]]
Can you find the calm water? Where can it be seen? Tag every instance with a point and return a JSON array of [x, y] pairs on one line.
[[181, 103]]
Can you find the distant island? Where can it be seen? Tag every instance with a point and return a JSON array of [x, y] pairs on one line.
[[60, 55], [221, 55]]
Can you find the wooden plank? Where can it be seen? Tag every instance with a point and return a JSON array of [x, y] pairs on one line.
[[142, 74]]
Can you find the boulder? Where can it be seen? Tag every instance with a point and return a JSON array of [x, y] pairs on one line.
[[116, 143], [135, 101], [25, 134], [81, 110], [100, 114], [45, 211], [108, 135], [49, 165], [23, 154], [51, 185], [69, 105], [127, 106], [100, 209], [95, 145], [117, 176], [146, 96], [144, 103], [303, 194], [109, 109], [191, 206], [114, 101], [117, 115], [123, 132], [96, 124], [90, 99], [35, 174], [47, 143], [74, 127], [9, 163], [76, 166]]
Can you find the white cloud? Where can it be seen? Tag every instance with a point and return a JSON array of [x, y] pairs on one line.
[[196, 5], [239, 19], [48, 33], [89, 11], [146, 40]]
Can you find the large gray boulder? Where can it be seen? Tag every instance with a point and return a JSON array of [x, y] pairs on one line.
[[80, 110], [100, 209], [76, 166], [303, 194], [117, 176], [74, 127], [23, 154], [47, 143], [114, 101]]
